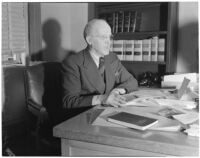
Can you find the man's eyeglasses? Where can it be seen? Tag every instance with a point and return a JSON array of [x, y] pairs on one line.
[[104, 37]]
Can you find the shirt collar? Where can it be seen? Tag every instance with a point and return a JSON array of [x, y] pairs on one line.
[[95, 57]]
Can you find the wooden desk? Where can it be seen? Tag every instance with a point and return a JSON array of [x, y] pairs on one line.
[[80, 138]]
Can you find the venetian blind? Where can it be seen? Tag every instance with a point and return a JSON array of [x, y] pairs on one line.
[[14, 31]]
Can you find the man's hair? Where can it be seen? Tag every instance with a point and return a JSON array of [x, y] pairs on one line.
[[89, 27]]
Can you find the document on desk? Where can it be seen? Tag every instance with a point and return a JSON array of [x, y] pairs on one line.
[[161, 93], [156, 98], [164, 124], [187, 118], [146, 97]]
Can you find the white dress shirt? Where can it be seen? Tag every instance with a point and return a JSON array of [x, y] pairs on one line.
[[97, 99]]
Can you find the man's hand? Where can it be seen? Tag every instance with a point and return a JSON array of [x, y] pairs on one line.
[[115, 97], [119, 91]]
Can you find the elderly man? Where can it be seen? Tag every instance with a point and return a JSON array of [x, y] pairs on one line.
[[95, 76]]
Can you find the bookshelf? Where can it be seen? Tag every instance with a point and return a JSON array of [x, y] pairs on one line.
[[140, 21]]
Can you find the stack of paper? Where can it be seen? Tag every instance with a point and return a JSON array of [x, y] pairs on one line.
[[176, 80], [193, 77], [177, 103]]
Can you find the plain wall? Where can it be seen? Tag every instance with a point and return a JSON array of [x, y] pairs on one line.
[[79, 18], [72, 18], [187, 59]]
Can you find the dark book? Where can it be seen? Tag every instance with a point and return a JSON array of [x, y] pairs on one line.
[[132, 120], [127, 15], [132, 21], [161, 49], [102, 16], [116, 14], [120, 21], [110, 19], [138, 16]]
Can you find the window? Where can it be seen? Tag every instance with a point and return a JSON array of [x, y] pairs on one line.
[[14, 33]]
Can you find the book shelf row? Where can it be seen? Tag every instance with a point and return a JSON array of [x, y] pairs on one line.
[[123, 21], [140, 50]]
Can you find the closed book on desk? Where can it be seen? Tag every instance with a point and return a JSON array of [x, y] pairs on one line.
[[132, 120]]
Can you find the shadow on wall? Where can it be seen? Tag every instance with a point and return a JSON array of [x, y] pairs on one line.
[[53, 52], [188, 49]]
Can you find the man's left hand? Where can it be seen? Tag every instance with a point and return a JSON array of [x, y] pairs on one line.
[[119, 91]]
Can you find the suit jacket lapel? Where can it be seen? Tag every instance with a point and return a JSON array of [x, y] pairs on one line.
[[110, 74], [92, 72]]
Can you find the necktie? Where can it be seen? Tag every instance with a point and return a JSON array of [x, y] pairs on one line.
[[102, 66]]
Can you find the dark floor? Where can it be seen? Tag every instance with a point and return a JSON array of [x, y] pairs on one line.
[[25, 146]]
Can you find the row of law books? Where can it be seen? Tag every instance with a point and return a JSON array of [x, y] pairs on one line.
[[140, 50], [123, 21]]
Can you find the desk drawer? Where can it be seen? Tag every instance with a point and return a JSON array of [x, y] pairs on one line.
[[78, 148]]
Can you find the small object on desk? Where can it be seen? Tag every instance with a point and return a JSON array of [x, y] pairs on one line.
[[169, 112], [132, 120], [193, 130], [183, 88], [164, 124]]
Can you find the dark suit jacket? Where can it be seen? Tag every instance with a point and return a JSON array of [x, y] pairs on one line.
[[82, 79]]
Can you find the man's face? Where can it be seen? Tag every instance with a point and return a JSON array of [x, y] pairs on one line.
[[100, 38]]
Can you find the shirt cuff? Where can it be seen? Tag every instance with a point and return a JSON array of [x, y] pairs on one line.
[[98, 99]]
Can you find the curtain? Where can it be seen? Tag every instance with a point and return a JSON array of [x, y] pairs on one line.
[[14, 32]]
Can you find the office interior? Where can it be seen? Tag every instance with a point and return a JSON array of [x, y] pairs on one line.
[[67, 21]]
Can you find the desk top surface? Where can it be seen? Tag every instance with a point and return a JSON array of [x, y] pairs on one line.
[[171, 143]]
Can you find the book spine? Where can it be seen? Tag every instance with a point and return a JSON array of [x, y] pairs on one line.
[[133, 43], [120, 21], [118, 48], [154, 49], [116, 22], [128, 46], [146, 50], [161, 49], [132, 21], [126, 21], [138, 20], [113, 22], [102, 16], [109, 19], [138, 50]]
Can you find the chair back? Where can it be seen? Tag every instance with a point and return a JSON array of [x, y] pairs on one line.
[[43, 88]]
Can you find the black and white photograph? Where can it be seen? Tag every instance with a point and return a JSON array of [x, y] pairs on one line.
[[100, 79]]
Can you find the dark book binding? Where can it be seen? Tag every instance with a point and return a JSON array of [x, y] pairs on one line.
[[120, 21], [110, 19], [132, 21], [127, 15], [138, 17], [132, 120]]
